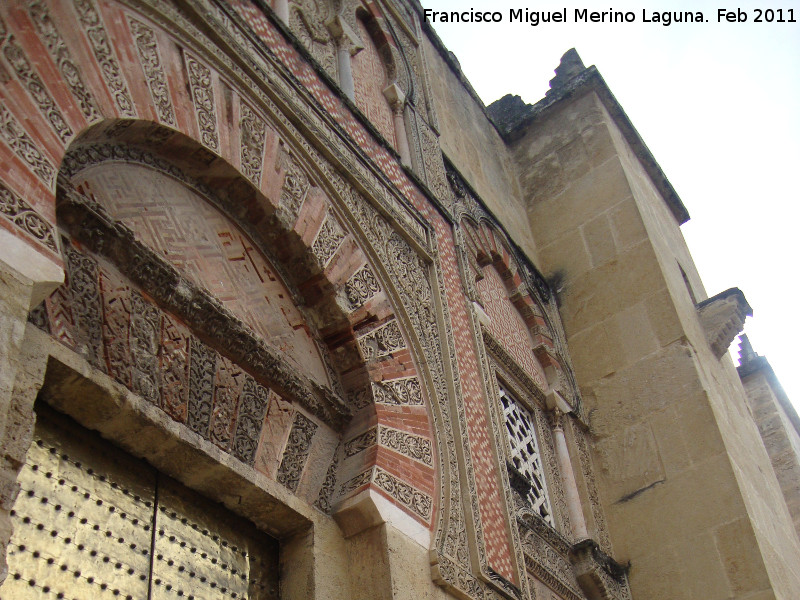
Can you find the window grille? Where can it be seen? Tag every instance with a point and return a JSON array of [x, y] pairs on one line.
[[525, 453]]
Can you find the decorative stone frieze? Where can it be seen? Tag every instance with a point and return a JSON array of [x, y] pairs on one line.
[[182, 297]]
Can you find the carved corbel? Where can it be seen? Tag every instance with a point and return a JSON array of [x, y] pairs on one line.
[[722, 317], [599, 575]]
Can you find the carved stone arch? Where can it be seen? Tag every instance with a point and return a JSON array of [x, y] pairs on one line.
[[199, 112], [377, 392], [393, 414]]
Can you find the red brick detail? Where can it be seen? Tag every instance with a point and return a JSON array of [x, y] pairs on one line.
[[485, 463], [410, 471], [507, 325], [370, 79]]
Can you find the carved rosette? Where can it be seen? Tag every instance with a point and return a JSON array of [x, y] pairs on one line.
[[25, 218]]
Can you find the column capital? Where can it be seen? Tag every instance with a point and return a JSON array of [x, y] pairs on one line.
[[555, 417], [344, 35], [396, 97]]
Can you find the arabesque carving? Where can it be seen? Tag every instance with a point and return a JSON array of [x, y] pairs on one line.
[[103, 49], [150, 59], [70, 72]]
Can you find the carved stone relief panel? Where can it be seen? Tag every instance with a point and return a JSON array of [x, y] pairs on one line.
[[62, 57], [362, 286], [20, 214], [381, 341], [202, 90], [307, 20], [213, 252], [297, 451], [328, 240], [150, 59], [120, 331], [39, 94], [98, 38], [25, 148], [253, 133]]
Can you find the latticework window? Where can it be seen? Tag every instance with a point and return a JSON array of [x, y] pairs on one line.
[[525, 453]]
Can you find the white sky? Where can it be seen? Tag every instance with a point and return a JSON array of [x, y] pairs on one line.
[[718, 104]]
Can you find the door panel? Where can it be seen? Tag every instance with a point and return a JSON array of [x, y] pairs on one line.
[[84, 529], [82, 521], [205, 551]]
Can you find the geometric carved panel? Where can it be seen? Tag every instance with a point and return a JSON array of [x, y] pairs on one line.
[[210, 250]]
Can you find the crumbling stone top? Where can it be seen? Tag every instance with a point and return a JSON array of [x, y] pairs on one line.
[[508, 112], [513, 117], [749, 360], [570, 67]]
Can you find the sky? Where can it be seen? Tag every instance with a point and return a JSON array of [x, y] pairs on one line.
[[717, 103]]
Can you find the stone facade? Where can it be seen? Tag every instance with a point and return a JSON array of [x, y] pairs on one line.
[[282, 253]]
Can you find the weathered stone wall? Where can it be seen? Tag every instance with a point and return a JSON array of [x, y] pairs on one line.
[[768, 404], [677, 456]]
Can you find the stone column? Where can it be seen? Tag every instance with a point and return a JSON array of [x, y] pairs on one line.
[[397, 101], [345, 68], [26, 277], [281, 8], [347, 44], [579, 531]]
